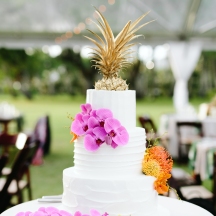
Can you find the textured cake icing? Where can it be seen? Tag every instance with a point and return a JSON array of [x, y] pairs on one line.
[[133, 195], [121, 103], [111, 180], [108, 162]]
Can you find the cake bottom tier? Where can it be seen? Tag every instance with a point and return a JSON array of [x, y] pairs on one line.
[[133, 196]]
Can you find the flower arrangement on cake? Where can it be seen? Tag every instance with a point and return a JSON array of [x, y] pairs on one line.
[[98, 127], [157, 162]]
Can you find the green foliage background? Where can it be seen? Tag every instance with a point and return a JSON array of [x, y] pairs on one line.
[[75, 75]]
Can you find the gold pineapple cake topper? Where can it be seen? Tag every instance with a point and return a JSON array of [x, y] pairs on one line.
[[111, 54]]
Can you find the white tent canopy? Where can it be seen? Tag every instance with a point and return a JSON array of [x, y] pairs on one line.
[[191, 24], [36, 23]]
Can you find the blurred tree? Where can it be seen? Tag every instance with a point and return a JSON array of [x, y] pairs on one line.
[[203, 81], [89, 73], [37, 72]]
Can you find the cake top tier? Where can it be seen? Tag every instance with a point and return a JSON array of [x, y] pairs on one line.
[[121, 103]]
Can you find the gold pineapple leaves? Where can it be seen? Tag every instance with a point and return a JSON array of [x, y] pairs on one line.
[[111, 53]]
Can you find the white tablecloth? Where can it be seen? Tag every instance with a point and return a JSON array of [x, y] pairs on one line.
[[202, 149], [176, 207]]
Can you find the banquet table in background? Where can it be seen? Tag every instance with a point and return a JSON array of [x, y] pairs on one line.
[[168, 125], [203, 164], [8, 114], [176, 207], [6, 121]]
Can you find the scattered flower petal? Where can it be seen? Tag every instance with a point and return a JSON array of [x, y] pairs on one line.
[[24, 213], [64, 213], [94, 212], [77, 213]]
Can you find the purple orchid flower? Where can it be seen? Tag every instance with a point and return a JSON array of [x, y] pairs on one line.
[[116, 133], [86, 108], [95, 139], [83, 124], [98, 126], [80, 125], [101, 115]]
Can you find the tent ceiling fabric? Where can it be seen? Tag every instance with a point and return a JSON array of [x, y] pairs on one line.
[[40, 22]]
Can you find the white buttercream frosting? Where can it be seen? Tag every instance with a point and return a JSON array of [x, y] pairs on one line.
[[121, 103], [133, 195], [107, 161]]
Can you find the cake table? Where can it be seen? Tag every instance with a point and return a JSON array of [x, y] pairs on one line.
[[176, 207]]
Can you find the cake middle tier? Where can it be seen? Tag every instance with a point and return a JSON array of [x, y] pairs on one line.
[[108, 162]]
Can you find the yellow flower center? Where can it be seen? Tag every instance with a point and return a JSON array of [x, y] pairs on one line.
[[152, 168]]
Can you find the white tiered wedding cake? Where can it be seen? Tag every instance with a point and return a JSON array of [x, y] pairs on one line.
[[111, 179], [110, 172]]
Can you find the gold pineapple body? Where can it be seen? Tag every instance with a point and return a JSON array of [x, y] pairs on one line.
[[111, 54]]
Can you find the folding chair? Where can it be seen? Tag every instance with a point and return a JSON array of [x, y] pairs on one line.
[[188, 132], [9, 141], [199, 195], [3, 161], [13, 185], [42, 133]]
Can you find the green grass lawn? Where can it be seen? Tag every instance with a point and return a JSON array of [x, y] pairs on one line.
[[47, 179]]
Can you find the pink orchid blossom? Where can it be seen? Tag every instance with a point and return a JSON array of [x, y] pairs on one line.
[[94, 212], [86, 108], [82, 124], [101, 115], [95, 139], [116, 133], [98, 126]]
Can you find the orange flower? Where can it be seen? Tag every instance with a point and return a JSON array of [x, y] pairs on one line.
[[161, 186], [151, 167], [158, 163], [160, 154]]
